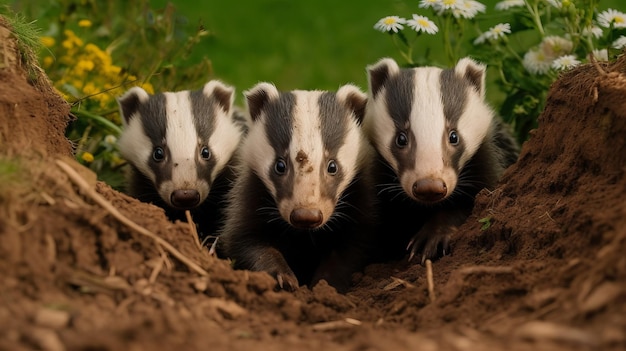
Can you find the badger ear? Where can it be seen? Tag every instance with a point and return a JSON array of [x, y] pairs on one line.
[[379, 73], [223, 94], [258, 97], [473, 72], [354, 99], [129, 103]]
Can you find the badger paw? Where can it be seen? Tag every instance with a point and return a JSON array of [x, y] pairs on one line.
[[287, 281], [270, 260], [430, 243]]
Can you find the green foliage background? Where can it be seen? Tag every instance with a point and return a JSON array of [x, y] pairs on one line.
[[314, 44]]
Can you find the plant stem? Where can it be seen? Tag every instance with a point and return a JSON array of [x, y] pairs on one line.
[[99, 120], [534, 12]]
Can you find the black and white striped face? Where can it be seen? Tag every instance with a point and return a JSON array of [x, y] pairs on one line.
[[427, 123], [179, 140], [306, 147]]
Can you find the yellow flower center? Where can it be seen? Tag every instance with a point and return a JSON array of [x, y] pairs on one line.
[[389, 21]]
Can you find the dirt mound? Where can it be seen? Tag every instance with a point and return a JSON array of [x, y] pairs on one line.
[[549, 271], [34, 118]]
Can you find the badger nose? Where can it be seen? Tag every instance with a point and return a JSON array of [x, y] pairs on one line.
[[185, 198], [306, 218], [430, 190]]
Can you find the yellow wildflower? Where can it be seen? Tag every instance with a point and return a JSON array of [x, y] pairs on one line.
[[71, 40], [85, 65], [48, 61], [148, 88], [87, 157], [85, 23], [47, 41]]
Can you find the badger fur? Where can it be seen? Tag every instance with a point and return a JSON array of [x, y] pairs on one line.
[[439, 144], [180, 148], [302, 207]]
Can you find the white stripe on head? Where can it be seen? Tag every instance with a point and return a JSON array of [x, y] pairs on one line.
[[181, 136], [306, 153], [136, 147], [355, 150], [256, 151], [182, 142], [428, 124], [226, 135]]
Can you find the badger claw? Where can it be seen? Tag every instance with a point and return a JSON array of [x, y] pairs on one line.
[[431, 244], [287, 281]]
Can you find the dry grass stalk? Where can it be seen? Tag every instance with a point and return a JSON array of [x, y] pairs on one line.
[[336, 325], [193, 230], [91, 193], [396, 282], [430, 281]]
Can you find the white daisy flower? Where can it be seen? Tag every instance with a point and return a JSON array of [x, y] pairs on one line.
[[467, 9], [601, 54], [605, 18], [507, 4], [496, 32], [422, 24], [554, 46], [110, 139], [536, 62], [593, 31], [450, 4], [390, 23], [565, 62], [500, 30], [435, 4], [619, 43]]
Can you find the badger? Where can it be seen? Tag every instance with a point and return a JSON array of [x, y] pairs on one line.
[[302, 206], [439, 143], [180, 147]]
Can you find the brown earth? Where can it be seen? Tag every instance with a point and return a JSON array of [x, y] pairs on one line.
[[549, 273]]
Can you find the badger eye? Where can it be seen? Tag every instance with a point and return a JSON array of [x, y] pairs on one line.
[[205, 153], [158, 154], [402, 140], [453, 137], [280, 167], [332, 167]]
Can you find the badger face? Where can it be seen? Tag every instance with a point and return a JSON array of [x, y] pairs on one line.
[[179, 140], [427, 123], [305, 146]]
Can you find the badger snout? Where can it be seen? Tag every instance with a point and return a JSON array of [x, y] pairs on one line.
[[430, 190], [185, 198], [306, 218]]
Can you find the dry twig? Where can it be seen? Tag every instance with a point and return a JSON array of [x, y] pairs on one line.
[[84, 186]]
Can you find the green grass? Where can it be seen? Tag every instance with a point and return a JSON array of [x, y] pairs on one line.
[[294, 44], [27, 34]]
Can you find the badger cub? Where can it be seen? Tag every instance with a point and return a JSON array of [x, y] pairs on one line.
[[302, 205], [180, 146], [439, 143]]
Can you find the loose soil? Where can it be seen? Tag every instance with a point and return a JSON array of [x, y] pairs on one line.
[[548, 273]]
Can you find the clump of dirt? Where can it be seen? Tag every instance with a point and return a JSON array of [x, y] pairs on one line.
[[548, 272]]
